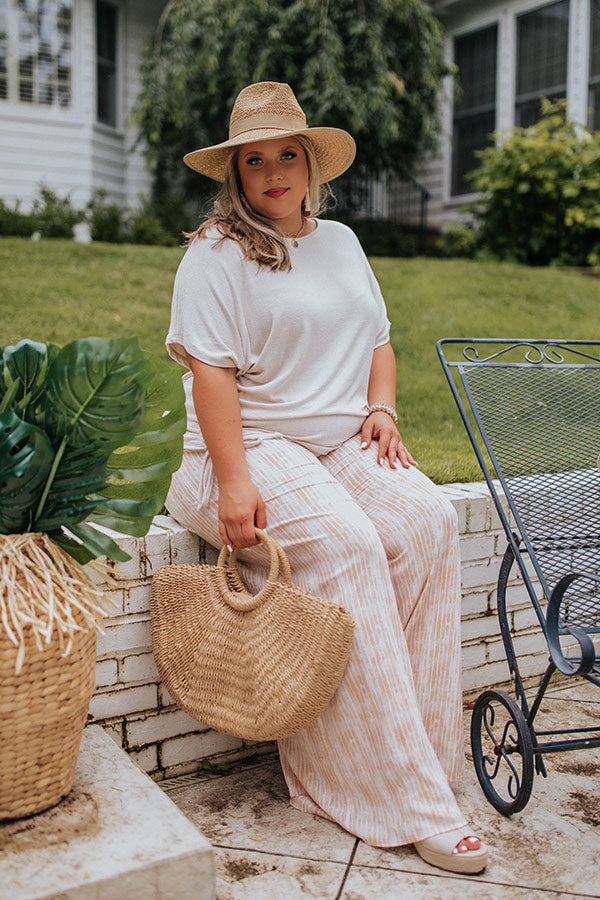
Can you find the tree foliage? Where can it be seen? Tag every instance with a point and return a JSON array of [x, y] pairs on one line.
[[540, 190], [373, 67]]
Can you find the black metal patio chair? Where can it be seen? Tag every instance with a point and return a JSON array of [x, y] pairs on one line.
[[532, 412]]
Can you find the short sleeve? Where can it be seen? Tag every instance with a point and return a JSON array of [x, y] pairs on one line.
[[383, 323], [206, 322]]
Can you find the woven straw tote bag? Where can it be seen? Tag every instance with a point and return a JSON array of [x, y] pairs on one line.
[[258, 667]]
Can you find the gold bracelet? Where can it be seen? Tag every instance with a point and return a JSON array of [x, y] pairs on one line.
[[383, 407]]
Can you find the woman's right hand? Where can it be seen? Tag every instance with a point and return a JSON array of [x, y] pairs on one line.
[[241, 509]]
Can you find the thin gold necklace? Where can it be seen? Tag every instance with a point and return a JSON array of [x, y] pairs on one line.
[[296, 235]]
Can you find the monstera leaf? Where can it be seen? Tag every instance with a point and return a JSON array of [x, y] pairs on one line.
[[96, 392], [26, 457], [72, 496], [139, 474], [113, 419], [23, 377]]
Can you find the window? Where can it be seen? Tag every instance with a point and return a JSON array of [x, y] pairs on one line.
[[3, 52], [43, 38], [475, 103], [106, 62], [595, 67], [542, 47]]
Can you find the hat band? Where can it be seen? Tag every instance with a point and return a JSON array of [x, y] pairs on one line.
[[261, 120]]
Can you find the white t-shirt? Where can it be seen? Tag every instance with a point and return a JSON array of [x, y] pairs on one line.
[[301, 341]]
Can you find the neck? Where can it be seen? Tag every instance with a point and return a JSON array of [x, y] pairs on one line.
[[296, 232]]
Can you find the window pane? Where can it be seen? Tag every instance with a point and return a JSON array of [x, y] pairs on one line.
[[3, 51], [106, 65], [542, 47], [44, 41], [475, 57], [475, 104], [471, 133], [107, 31], [595, 108], [529, 111], [595, 41], [594, 102]]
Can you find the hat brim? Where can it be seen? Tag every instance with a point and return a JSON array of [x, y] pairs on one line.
[[334, 148]]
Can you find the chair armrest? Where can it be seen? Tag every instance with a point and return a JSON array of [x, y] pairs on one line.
[[588, 651]]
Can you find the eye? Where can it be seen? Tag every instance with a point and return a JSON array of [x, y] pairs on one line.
[[253, 160], [289, 154]]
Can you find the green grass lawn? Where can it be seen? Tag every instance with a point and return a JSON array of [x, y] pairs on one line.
[[56, 291]]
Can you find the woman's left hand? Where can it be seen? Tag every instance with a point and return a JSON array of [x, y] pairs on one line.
[[381, 427]]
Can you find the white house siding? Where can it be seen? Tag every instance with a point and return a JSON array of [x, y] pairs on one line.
[[142, 16], [67, 149], [43, 148], [461, 17]]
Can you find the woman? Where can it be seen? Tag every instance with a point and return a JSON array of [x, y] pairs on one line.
[[292, 425]]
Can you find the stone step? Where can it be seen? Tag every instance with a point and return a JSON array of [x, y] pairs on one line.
[[115, 835]]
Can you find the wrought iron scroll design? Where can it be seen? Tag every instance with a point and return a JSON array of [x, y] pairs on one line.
[[508, 743], [543, 352]]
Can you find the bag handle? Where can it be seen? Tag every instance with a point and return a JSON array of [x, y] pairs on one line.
[[285, 572], [243, 601]]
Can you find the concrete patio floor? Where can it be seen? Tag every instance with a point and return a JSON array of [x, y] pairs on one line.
[[265, 850]]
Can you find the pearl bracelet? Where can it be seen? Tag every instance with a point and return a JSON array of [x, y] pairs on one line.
[[383, 407]]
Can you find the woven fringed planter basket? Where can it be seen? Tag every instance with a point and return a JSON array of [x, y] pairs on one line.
[[49, 614]]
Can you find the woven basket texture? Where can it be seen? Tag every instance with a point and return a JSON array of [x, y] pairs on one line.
[[261, 671], [42, 714]]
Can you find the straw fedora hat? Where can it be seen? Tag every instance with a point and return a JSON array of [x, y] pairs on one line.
[[268, 110]]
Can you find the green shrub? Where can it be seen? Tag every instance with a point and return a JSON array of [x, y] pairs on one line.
[[55, 215], [381, 237], [457, 240], [107, 220], [14, 222], [540, 191], [145, 227]]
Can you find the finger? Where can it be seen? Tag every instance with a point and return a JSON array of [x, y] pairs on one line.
[[247, 534], [392, 453], [409, 458], [261, 515], [225, 536], [366, 434], [384, 443], [404, 456]]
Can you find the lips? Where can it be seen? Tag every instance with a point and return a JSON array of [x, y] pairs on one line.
[[276, 192]]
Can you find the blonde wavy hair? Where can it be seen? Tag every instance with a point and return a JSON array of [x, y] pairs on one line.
[[259, 238]]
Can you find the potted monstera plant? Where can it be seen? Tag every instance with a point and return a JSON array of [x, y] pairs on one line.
[[90, 434]]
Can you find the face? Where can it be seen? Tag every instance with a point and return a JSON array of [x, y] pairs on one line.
[[274, 176]]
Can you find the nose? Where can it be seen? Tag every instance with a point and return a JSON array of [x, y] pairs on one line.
[[273, 171]]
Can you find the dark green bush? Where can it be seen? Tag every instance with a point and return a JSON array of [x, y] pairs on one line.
[[14, 222], [540, 190], [145, 227], [457, 240], [380, 237], [55, 215], [107, 220]]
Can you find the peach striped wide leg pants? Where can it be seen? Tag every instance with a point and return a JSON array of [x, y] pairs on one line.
[[384, 543]]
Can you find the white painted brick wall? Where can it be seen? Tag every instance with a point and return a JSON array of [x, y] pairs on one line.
[[106, 672], [140, 667], [161, 725], [136, 708], [176, 751], [107, 704]]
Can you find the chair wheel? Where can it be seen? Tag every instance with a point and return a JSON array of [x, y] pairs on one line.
[[502, 751]]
